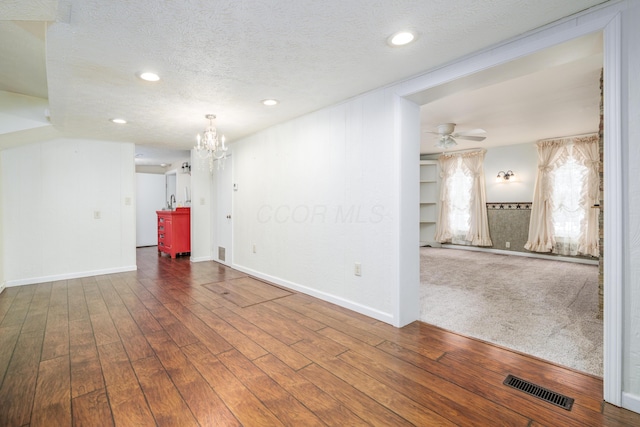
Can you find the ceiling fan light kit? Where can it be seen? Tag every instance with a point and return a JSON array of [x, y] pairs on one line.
[[445, 141]]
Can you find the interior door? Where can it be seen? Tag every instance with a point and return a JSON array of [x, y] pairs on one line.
[[224, 215]]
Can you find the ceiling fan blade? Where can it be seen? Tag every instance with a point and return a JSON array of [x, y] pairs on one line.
[[471, 137], [472, 132]]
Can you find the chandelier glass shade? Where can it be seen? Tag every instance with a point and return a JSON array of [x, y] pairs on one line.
[[209, 146]]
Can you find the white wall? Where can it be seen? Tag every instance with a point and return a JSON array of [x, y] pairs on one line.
[[318, 194], [522, 159], [631, 155], [150, 197], [202, 214], [51, 192], [407, 146]]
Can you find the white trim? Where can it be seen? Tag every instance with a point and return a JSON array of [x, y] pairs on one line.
[[67, 276], [406, 304], [201, 259], [397, 296], [631, 402], [362, 309], [2, 287], [524, 254], [613, 212]]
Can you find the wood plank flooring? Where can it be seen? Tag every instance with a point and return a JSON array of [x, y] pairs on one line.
[[179, 344]]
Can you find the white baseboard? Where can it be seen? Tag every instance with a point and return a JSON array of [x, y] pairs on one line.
[[524, 254], [631, 402], [342, 302], [67, 276], [201, 258]]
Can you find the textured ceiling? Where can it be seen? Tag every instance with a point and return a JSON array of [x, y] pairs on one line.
[[224, 56]]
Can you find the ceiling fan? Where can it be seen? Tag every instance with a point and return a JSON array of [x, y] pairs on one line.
[[447, 139]]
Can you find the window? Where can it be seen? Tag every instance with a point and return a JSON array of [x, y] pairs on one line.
[[459, 190], [462, 213], [563, 217], [568, 212]]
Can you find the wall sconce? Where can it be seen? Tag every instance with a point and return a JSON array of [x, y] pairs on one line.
[[505, 176]]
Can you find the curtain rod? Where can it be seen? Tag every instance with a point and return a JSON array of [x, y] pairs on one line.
[[570, 136], [468, 150]]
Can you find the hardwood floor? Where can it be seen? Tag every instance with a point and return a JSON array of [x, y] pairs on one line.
[[179, 344]]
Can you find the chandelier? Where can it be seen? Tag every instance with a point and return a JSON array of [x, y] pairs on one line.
[[209, 146]]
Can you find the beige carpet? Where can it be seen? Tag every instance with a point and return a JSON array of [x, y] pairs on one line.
[[544, 308]]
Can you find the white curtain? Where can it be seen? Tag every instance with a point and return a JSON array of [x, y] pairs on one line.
[[541, 236], [478, 233], [563, 219], [448, 166], [462, 215], [587, 152]]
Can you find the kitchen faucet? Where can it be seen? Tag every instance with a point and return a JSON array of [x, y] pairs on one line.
[[172, 201]]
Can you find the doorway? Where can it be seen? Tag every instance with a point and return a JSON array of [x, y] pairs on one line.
[[552, 93], [609, 21]]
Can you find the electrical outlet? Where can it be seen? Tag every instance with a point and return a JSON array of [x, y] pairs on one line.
[[253, 248], [507, 245], [96, 215], [357, 270], [127, 201]]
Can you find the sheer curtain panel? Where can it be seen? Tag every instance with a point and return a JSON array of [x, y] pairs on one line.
[[478, 233], [587, 152], [448, 165], [541, 236]]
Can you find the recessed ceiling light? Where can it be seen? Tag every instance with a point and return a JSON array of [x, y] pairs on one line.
[[270, 102], [164, 165], [401, 38], [119, 121], [148, 76]]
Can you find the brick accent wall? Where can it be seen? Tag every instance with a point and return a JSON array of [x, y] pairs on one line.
[[601, 219]]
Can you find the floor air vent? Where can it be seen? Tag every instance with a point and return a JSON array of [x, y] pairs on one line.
[[540, 392]]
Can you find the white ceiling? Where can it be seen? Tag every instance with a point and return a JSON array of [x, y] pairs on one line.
[[552, 93], [224, 56]]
